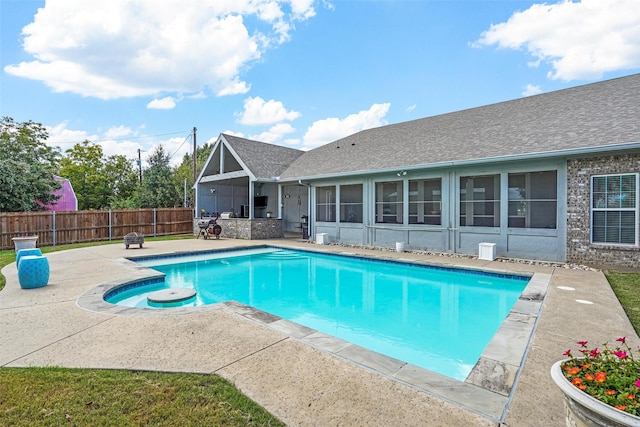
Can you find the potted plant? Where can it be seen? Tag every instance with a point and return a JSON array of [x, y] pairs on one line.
[[600, 387]]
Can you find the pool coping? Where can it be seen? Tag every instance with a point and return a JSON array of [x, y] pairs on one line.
[[487, 390]]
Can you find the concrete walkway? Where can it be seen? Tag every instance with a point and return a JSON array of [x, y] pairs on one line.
[[302, 384]]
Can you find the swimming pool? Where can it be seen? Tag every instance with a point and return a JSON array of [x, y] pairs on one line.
[[440, 318]]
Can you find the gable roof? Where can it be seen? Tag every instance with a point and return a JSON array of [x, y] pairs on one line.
[[241, 157], [263, 160], [598, 116]]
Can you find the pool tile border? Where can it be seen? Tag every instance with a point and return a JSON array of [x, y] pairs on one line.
[[486, 391]]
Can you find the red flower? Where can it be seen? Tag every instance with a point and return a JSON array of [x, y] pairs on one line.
[[595, 352], [638, 383], [622, 339], [621, 354], [567, 353], [601, 377], [583, 343]]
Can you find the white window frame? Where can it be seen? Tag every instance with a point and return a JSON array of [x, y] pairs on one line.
[[635, 209]]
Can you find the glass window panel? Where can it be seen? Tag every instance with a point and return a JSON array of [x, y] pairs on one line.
[[480, 201], [351, 203], [389, 198], [533, 200], [326, 204], [614, 209], [425, 201]]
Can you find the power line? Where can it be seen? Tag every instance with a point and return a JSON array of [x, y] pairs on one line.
[[183, 142], [124, 138]]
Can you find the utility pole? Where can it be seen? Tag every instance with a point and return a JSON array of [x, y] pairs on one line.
[[194, 155], [139, 166]]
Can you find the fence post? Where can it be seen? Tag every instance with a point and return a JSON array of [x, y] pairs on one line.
[[154, 223], [110, 225]]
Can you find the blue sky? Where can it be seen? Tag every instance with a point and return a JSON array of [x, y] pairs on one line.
[[131, 75]]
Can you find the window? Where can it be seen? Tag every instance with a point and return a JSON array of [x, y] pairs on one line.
[[326, 204], [425, 201], [351, 203], [614, 209], [533, 200], [480, 201], [389, 202]]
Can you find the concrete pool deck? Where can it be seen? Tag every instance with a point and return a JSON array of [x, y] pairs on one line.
[[299, 383]]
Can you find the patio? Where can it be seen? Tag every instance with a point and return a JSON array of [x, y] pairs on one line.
[[296, 382]]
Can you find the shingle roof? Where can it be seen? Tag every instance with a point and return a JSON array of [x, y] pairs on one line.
[[584, 117], [263, 160]]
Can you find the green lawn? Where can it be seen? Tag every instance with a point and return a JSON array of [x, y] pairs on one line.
[[76, 397], [626, 286]]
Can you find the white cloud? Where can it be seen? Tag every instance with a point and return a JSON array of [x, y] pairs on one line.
[[118, 48], [331, 129], [120, 140], [580, 40], [274, 134], [410, 108], [118, 132], [531, 90], [258, 112], [166, 103], [65, 138]]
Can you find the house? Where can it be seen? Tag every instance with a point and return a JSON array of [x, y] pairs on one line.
[[67, 201], [235, 169], [550, 177]]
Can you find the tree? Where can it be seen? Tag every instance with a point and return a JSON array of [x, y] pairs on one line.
[[82, 165], [157, 189], [185, 171], [119, 171], [27, 167], [99, 182]]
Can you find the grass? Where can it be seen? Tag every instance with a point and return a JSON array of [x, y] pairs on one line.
[[80, 397], [70, 397], [626, 286]]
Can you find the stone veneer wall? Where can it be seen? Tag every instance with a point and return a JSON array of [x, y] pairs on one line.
[[240, 228], [579, 248]]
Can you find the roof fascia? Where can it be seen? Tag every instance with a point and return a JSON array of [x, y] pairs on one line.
[[204, 168]]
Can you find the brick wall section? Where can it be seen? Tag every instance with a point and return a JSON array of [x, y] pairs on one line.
[[238, 228], [579, 248]]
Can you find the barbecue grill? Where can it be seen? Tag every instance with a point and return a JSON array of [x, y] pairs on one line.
[[209, 228]]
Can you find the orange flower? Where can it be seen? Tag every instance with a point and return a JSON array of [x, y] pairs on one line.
[[576, 381], [586, 365], [589, 377], [610, 392], [630, 396], [621, 407], [573, 371], [582, 387], [601, 377]]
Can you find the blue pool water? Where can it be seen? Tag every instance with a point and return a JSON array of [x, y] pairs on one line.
[[439, 319]]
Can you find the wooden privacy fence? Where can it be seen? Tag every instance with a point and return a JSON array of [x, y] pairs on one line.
[[58, 228]]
